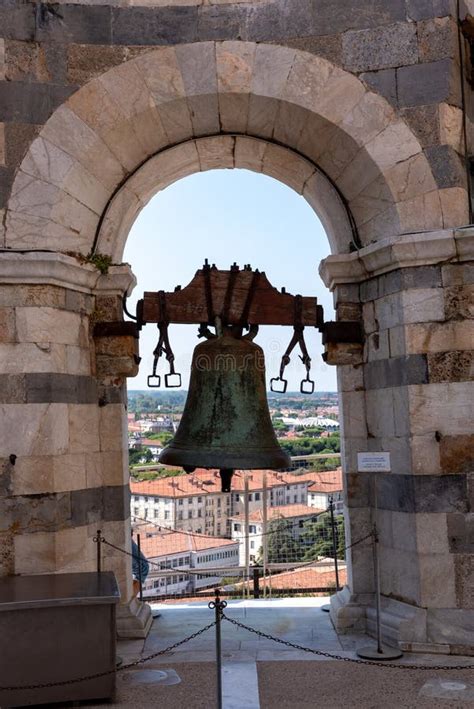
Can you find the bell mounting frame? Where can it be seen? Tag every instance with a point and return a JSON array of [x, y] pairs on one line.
[[240, 297], [235, 298]]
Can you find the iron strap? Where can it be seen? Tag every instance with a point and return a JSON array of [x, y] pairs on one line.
[[248, 301], [206, 269], [297, 339], [163, 346], [234, 270]]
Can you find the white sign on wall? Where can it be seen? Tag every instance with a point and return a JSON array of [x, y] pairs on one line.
[[373, 462]]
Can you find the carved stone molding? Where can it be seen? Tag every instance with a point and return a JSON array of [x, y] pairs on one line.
[[404, 251]]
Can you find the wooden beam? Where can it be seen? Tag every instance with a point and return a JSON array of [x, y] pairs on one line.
[[268, 305]]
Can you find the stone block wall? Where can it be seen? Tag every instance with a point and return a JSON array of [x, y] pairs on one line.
[[263, 69], [408, 52], [412, 394], [63, 455]]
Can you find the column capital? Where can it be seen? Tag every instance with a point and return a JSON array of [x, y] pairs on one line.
[[404, 251], [48, 268]]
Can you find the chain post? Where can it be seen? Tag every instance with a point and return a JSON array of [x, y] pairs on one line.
[[218, 606], [140, 581], [98, 540], [256, 582], [377, 588]]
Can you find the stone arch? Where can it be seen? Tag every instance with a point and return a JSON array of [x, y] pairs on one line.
[[223, 151], [408, 391], [105, 131]]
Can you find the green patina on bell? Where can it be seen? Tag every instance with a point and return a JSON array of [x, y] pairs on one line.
[[226, 423]]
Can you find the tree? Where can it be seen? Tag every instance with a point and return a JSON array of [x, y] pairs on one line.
[[134, 456], [282, 546], [305, 445], [279, 426], [324, 464], [318, 537], [147, 456]]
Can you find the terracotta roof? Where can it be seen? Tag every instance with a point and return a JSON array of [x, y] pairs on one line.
[[168, 543], [322, 576], [284, 511], [309, 577], [329, 481], [202, 482]]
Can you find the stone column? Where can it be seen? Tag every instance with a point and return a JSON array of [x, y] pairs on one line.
[[64, 463], [413, 396]]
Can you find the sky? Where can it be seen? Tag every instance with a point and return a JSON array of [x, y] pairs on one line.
[[227, 216]]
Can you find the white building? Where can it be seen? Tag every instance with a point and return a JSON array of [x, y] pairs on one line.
[[311, 422], [322, 487], [155, 425], [294, 516], [178, 561], [195, 502]]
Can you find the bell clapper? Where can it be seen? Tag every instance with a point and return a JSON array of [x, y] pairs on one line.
[[226, 478]]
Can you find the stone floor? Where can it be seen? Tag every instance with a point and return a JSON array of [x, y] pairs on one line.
[[261, 673]]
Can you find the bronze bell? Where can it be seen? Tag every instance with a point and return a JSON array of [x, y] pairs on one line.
[[226, 423]]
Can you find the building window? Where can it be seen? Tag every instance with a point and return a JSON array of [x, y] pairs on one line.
[[167, 514], [135, 511], [199, 499], [257, 496], [236, 527], [157, 514], [146, 499], [180, 515], [180, 501], [252, 529]]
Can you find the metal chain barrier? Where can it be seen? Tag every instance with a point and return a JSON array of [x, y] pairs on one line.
[[159, 566], [359, 541], [141, 661], [151, 563], [332, 656]]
